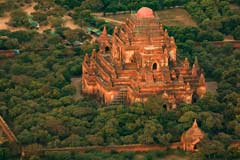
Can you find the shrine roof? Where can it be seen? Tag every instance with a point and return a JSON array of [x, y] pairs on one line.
[[192, 133], [145, 12]]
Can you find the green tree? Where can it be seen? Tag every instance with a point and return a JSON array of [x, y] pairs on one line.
[[236, 33], [212, 149], [19, 19]]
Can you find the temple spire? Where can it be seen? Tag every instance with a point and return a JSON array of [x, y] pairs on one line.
[[172, 40], [164, 95], [196, 61], [93, 54], [195, 125], [104, 36], [165, 33], [180, 79], [104, 41], [115, 30], [173, 74], [202, 80], [194, 70], [104, 32], [86, 58], [186, 63], [188, 87]]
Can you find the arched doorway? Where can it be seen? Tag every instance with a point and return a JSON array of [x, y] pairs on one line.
[[194, 97], [164, 106], [107, 48], [154, 66]]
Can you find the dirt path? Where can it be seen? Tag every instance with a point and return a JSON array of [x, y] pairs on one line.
[[121, 148], [175, 157], [117, 22]]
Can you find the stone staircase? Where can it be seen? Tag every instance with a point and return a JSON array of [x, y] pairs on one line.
[[121, 97]]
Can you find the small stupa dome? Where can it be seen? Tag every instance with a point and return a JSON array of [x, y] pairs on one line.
[[145, 12]]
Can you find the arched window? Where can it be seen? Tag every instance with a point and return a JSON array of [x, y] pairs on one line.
[[107, 48], [154, 66]]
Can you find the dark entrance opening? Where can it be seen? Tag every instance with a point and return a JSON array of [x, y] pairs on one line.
[[194, 97], [165, 106], [170, 63], [107, 49], [195, 147], [103, 99], [154, 66]]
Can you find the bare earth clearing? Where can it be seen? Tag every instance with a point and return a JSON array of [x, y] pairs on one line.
[[29, 9], [169, 17], [69, 23]]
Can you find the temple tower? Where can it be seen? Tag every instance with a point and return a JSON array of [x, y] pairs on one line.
[[138, 61], [191, 137]]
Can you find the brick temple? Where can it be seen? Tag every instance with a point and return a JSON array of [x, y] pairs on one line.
[[140, 60], [192, 137]]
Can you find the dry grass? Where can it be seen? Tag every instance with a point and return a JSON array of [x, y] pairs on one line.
[[169, 17], [212, 87], [176, 17]]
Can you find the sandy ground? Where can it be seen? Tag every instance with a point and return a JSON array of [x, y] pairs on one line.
[[70, 23], [29, 9], [4, 20], [228, 38], [4, 24], [43, 28]]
